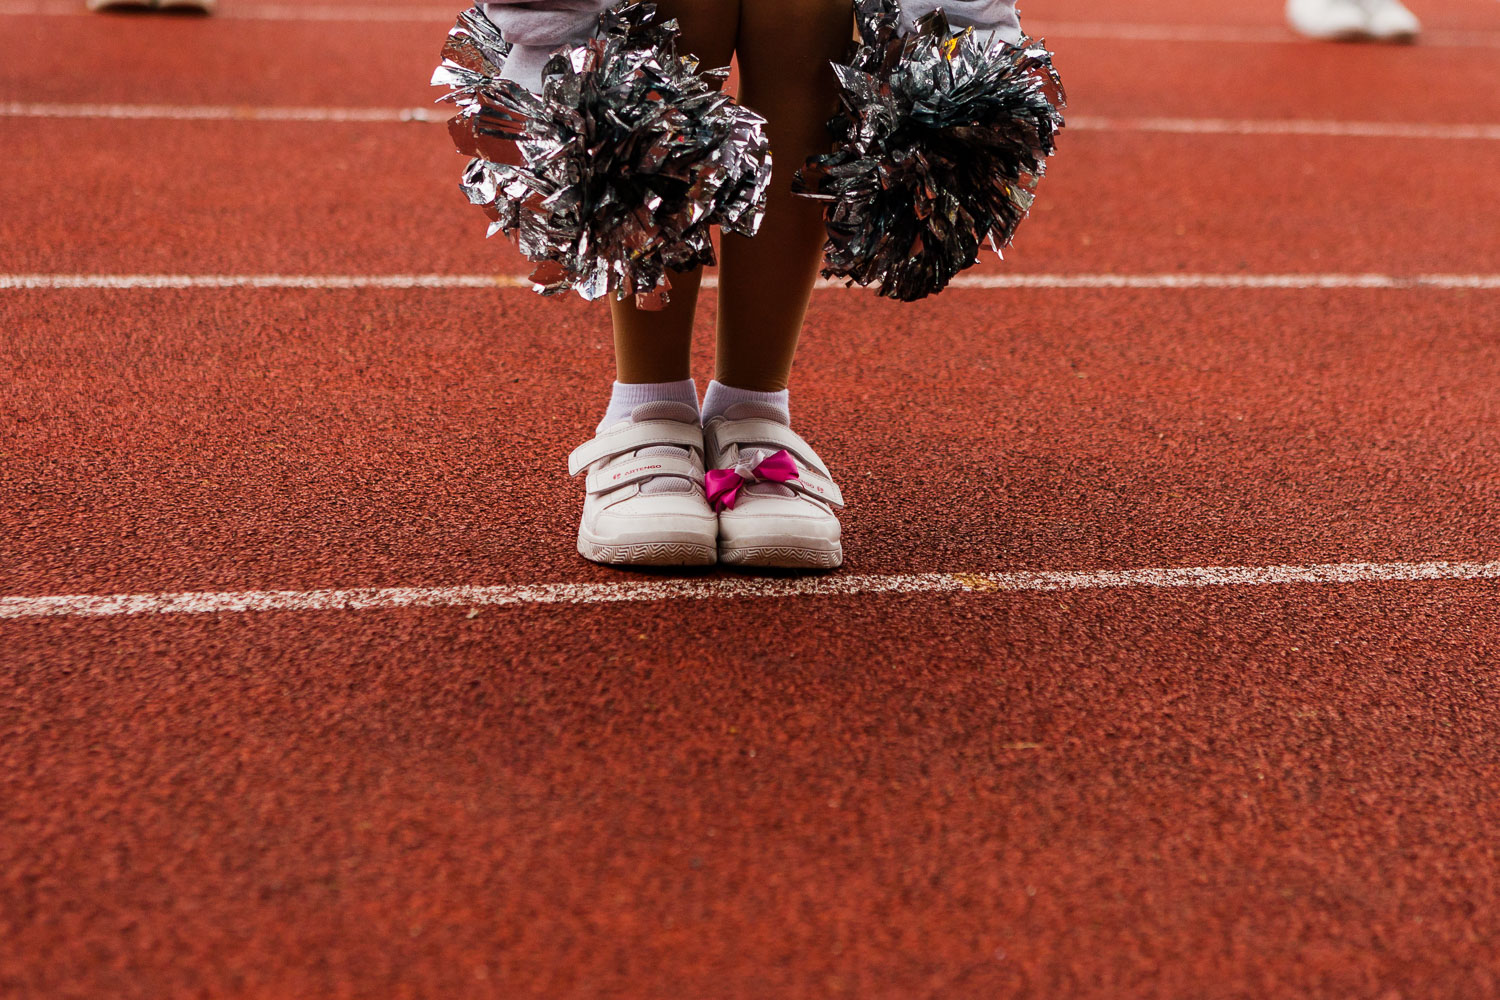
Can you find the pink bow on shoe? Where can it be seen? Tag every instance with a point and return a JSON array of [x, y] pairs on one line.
[[724, 484]]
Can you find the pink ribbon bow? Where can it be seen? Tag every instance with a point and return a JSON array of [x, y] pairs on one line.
[[724, 484]]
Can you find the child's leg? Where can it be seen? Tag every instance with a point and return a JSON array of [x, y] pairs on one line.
[[784, 49], [656, 346]]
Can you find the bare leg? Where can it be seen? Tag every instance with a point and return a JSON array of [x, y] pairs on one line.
[[657, 346], [784, 47]]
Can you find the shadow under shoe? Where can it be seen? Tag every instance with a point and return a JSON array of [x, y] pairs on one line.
[[170, 6]]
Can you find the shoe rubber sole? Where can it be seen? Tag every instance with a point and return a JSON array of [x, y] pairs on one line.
[[1361, 35], [1347, 35], [1367, 38], [205, 6], [812, 555], [670, 553]]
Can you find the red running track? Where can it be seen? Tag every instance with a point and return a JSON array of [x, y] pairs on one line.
[[1254, 791], [384, 199], [236, 440]]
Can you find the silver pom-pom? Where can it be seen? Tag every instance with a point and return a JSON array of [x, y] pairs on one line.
[[616, 173], [940, 141]]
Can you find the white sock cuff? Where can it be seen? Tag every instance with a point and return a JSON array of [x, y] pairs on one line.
[[721, 397], [626, 396]]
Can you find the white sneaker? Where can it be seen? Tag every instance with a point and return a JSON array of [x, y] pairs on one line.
[[1328, 20], [1353, 20], [645, 504], [1390, 21], [780, 512]]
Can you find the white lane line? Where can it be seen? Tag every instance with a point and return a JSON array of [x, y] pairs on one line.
[[336, 282], [219, 112], [1285, 126], [1231, 34], [1104, 30], [97, 606], [131, 282], [1448, 282], [1086, 123], [252, 11]]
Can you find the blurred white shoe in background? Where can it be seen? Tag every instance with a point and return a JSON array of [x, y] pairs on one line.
[[1390, 21], [1328, 20], [1353, 20]]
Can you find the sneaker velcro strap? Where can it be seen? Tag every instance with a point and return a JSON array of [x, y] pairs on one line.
[[634, 437], [620, 474], [818, 487], [768, 433]]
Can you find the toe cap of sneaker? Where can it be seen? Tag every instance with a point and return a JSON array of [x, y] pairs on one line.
[[1320, 19], [775, 520], [1393, 21], [663, 518]]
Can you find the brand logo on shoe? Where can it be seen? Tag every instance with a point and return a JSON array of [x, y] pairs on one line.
[[631, 472]]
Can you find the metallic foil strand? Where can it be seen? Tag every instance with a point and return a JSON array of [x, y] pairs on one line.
[[614, 175], [939, 144]]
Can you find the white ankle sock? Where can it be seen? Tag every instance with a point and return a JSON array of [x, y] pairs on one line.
[[626, 396], [721, 397]]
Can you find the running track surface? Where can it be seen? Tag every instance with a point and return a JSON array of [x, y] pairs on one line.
[[1253, 790]]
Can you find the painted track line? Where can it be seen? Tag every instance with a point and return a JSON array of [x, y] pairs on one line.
[[1449, 282], [116, 605], [334, 282], [219, 112], [1103, 30], [1285, 126], [1196, 34], [346, 282], [250, 11], [1084, 123]]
